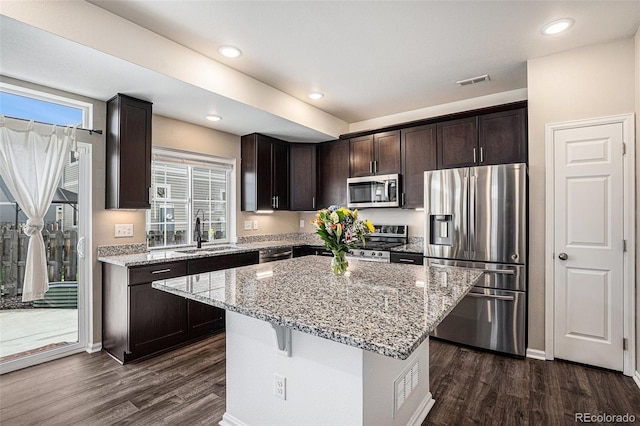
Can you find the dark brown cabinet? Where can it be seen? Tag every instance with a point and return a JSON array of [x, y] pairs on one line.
[[408, 258], [139, 321], [377, 154], [303, 177], [333, 171], [502, 137], [264, 173], [457, 143], [128, 153], [419, 154], [495, 138]]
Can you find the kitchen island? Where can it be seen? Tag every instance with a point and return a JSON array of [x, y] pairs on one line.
[[307, 347]]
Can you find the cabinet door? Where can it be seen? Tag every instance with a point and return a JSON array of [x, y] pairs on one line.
[[386, 153], [280, 176], [419, 154], [457, 143], [361, 156], [502, 137], [264, 174], [157, 320], [203, 319], [128, 149], [303, 177], [333, 171]]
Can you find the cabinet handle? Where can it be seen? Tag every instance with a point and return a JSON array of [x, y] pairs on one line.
[[313, 203], [481, 155], [375, 166], [474, 155], [406, 260], [161, 271], [370, 166], [402, 199], [277, 201]]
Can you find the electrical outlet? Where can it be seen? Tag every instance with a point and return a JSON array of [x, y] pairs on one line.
[[255, 224], [123, 230], [301, 223], [280, 386], [247, 225]]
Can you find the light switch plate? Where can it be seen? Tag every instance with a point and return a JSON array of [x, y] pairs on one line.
[[247, 225], [255, 224], [301, 223], [123, 230]]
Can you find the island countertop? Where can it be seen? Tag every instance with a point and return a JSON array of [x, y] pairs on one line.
[[380, 307]]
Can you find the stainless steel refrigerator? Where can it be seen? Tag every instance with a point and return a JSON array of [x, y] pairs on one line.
[[476, 217]]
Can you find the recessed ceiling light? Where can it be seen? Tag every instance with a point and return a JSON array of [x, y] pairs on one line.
[[230, 51], [213, 117], [556, 27], [316, 95]]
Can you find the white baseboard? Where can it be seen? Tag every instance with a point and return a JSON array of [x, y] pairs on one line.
[[229, 420], [536, 354], [422, 411], [636, 378], [94, 347]]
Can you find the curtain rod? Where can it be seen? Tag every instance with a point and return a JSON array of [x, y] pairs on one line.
[[91, 131]]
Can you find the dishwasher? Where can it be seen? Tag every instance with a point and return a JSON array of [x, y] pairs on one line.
[[273, 254]]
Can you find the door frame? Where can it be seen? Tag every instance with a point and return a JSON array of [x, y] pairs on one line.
[[629, 211], [85, 275]]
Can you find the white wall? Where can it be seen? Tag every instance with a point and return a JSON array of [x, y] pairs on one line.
[[588, 82]]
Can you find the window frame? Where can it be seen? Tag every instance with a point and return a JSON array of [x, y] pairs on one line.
[[191, 160], [85, 107]]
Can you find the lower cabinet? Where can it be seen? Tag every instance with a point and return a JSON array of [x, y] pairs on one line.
[[140, 321], [157, 320]]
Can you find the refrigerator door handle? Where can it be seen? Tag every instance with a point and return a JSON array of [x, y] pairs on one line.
[[473, 186]]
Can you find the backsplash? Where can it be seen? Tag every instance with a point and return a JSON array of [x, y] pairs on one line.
[[294, 236]]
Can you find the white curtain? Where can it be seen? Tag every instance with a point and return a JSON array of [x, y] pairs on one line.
[[31, 165]]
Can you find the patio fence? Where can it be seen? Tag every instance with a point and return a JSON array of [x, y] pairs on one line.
[[61, 253]]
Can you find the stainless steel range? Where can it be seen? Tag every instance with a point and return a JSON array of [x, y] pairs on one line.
[[379, 243]]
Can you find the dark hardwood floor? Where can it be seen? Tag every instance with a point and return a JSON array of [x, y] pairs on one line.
[[187, 387]]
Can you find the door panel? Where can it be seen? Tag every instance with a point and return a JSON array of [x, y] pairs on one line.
[[588, 287], [445, 207], [497, 203]]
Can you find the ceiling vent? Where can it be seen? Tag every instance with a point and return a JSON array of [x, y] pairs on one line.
[[473, 80]]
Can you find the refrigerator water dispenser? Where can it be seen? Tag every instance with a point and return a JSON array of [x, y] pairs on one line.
[[440, 229]]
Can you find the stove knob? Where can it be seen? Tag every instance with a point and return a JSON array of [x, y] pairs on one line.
[[380, 254], [361, 252], [373, 253]]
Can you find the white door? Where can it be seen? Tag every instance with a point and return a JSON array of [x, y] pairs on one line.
[[588, 246]]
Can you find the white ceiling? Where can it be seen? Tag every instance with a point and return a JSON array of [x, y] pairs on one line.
[[370, 58]]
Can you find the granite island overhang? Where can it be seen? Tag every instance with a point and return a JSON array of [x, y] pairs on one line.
[[347, 339]]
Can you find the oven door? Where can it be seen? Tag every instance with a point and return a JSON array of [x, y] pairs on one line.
[[373, 191], [489, 319]]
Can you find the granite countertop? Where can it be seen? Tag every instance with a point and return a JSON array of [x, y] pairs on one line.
[[385, 308], [151, 257], [409, 248]]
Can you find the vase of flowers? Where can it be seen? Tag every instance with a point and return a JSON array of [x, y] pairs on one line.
[[340, 229]]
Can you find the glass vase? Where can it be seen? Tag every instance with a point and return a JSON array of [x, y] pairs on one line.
[[339, 264]]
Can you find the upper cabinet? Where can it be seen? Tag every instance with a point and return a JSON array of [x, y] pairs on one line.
[[264, 173], [502, 137], [457, 143], [496, 138], [303, 176], [333, 171], [128, 159], [419, 154], [377, 154]]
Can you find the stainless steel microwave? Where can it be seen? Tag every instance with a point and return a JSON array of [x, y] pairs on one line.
[[374, 191]]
